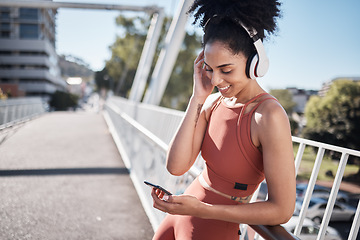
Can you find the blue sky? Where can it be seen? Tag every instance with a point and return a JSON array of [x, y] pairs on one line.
[[318, 40]]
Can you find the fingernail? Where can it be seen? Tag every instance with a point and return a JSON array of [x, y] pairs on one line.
[[166, 198]]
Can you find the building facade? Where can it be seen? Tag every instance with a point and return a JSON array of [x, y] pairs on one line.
[[301, 97], [28, 60]]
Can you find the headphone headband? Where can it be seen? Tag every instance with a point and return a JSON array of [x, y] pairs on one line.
[[262, 62]]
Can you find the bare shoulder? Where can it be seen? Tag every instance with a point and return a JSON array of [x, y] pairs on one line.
[[270, 113], [271, 108], [209, 103], [270, 124]]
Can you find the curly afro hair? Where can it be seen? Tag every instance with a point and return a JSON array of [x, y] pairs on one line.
[[219, 20]]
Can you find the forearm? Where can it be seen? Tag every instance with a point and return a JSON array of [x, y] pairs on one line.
[[184, 149], [257, 213]]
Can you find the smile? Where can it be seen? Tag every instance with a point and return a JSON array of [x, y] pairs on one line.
[[223, 89]]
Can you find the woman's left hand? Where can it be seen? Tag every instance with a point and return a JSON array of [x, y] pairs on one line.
[[177, 205]]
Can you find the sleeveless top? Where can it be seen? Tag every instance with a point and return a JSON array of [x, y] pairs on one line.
[[234, 165]]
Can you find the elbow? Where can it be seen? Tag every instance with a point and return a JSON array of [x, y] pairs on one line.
[[176, 166], [174, 171], [282, 217], [285, 217], [285, 214], [282, 214]]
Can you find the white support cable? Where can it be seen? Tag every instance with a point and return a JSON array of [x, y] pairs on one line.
[[147, 55], [168, 55]]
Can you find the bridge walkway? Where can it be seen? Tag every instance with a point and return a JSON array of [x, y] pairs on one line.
[[61, 177]]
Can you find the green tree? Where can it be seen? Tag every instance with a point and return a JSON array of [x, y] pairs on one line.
[[126, 51], [335, 118], [284, 96], [179, 88], [61, 101]]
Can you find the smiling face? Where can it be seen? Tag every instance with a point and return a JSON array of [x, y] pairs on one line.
[[226, 70]]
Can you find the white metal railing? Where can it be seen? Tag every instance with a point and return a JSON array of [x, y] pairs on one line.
[[345, 153], [142, 133], [19, 109]]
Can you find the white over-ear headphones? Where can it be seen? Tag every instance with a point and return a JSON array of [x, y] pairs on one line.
[[258, 63]]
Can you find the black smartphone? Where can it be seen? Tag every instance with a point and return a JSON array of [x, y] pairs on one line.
[[158, 187]]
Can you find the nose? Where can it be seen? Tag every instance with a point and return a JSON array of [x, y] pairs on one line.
[[215, 79]]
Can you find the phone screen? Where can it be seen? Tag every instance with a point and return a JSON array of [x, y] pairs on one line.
[[158, 187]]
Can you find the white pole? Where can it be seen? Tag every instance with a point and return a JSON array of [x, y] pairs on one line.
[[147, 55], [168, 55]]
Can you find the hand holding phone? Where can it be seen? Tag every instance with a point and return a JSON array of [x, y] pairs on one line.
[[158, 187]]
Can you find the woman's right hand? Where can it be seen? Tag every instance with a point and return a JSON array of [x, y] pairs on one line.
[[202, 84]]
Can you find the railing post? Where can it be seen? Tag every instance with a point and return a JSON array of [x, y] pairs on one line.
[[354, 231], [332, 197], [299, 156], [309, 190], [6, 112]]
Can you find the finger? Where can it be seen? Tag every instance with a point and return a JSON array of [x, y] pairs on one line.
[[200, 56], [159, 193], [158, 203], [200, 64]]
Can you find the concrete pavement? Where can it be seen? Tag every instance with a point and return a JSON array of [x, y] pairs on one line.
[[61, 177]]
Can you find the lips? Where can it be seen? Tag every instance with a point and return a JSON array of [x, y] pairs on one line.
[[223, 89]]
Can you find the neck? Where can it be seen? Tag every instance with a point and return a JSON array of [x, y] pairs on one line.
[[251, 90]]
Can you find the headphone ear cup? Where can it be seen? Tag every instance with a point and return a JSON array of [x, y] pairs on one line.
[[251, 66]]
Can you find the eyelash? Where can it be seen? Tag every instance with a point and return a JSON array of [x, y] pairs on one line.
[[210, 70], [226, 72]]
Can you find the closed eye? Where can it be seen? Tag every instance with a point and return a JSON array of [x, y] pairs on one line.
[[226, 72]]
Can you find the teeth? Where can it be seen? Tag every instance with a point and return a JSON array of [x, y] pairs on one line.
[[224, 88]]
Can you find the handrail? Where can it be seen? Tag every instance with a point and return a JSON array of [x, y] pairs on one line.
[[273, 232], [17, 110]]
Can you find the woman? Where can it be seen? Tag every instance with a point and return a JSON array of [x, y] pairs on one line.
[[242, 132]]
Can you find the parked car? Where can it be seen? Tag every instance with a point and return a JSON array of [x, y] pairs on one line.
[[317, 206], [310, 230], [320, 192]]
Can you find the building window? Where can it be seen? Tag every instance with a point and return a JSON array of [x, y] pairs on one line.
[[4, 13], [29, 31], [5, 30], [4, 34], [5, 26], [29, 13]]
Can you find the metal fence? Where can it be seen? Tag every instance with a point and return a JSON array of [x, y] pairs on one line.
[[142, 133], [20, 109]]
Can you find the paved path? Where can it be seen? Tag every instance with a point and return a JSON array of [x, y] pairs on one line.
[[61, 177]]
